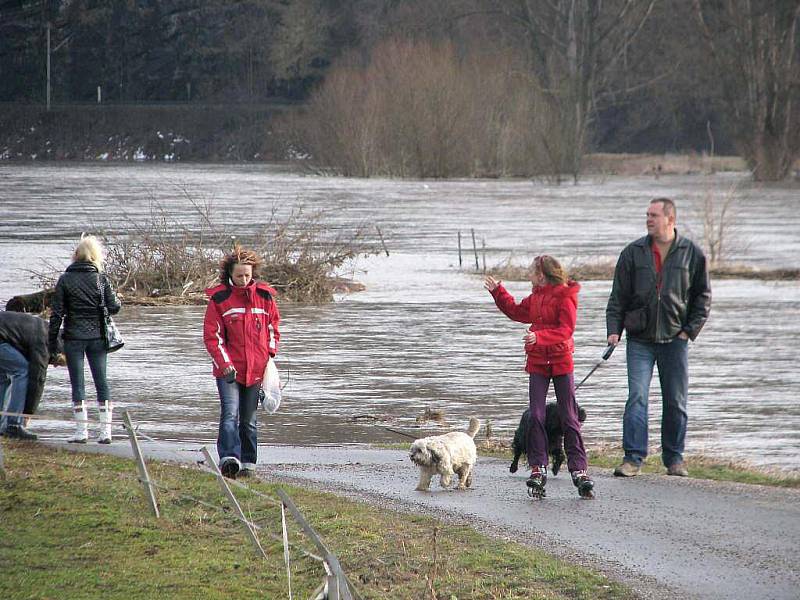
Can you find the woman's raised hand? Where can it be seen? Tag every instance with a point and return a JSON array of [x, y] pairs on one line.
[[490, 283]]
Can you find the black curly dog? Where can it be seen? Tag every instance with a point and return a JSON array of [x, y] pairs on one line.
[[555, 437]]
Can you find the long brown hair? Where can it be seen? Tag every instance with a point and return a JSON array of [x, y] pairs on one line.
[[552, 270], [239, 256]]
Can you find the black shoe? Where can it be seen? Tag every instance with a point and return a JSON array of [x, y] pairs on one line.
[[19, 432], [229, 468]]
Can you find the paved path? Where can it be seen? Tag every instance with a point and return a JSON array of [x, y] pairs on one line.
[[667, 537]]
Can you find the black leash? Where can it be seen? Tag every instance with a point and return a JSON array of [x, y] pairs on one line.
[[408, 435], [606, 355]]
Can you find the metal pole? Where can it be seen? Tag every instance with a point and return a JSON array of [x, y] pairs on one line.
[[459, 248], [227, 490], [483, 244], [48, 66], [149, 492]]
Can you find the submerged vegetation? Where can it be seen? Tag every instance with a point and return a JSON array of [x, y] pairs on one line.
[[164, 259], [603, 270], [76, 526]]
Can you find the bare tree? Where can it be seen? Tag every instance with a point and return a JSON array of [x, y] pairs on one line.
[[755, 45], [575, 47]]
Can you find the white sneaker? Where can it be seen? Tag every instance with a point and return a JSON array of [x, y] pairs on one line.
[[248, 470]]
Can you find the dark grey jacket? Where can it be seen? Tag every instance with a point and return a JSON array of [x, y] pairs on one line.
[[683, 303], [76, 302], [28, 334]]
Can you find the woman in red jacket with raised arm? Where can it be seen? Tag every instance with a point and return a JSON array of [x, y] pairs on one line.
[[236, 331], [552, 311]]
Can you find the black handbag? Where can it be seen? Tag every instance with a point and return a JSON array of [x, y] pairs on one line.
[[111, 334]]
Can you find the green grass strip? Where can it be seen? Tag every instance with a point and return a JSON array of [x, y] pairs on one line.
[[77, 526]]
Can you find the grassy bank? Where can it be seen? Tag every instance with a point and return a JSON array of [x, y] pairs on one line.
[[77, 526], [700, 466]]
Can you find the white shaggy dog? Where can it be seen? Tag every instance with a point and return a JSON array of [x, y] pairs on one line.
[[448, 454]]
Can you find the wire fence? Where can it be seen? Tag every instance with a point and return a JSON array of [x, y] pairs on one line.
[[335, 584]]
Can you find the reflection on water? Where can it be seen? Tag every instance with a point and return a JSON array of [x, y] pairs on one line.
[[425, 333]]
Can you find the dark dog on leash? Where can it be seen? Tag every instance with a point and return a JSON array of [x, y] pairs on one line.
[[555, 437]]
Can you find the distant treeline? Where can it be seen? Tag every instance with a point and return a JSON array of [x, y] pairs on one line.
[[714, 76]]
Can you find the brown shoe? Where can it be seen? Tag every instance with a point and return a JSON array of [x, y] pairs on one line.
[[627, 469], [678, 469]]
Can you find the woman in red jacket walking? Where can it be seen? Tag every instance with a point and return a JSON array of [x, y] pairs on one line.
[[552, 311], [236, 331]]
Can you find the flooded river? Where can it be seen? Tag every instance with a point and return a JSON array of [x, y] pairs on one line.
[[425, 333]]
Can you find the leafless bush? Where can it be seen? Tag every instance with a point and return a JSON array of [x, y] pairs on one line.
[[302, 251], [170, 259], [419, 109], [719, 218]]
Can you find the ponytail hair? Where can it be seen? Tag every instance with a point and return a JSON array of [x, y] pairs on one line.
[[552, 270]]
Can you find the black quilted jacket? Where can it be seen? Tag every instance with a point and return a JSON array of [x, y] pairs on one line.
[[76, 302]]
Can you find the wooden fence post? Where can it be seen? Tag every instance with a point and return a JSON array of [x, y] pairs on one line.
[[475, 250], [2, 465], [144, 477], [385, 249], [339, 588], [235, 503]]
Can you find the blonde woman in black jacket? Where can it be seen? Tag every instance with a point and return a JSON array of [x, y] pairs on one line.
[[77, 303]]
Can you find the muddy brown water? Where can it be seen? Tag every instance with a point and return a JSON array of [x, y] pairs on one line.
[[425, 333]]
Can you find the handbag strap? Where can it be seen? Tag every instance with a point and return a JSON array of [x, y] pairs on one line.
[[102, 291]]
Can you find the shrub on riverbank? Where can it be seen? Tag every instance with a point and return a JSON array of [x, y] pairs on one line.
[[167, 259], [77, 525]]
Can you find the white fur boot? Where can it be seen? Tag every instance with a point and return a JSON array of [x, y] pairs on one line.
[[105, 423], [81, 426]]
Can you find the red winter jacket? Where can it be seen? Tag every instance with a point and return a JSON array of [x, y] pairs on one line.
[[236, 329], [552, 311]]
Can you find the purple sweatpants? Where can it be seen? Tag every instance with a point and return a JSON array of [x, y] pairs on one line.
[[570, 425]]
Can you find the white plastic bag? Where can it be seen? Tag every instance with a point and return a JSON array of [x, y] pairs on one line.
[[272, 388]]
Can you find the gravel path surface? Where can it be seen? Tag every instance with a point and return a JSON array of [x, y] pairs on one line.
[[666, 537]]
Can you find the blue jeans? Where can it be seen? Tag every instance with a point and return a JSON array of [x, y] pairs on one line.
[[672, 359], [13, 383], [95, 351], [238, 427]]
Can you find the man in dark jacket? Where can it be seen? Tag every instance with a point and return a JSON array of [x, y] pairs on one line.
[[662, 297], [23, 368]]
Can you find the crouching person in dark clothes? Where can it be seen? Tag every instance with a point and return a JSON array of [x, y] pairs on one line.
[[23, 368]]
